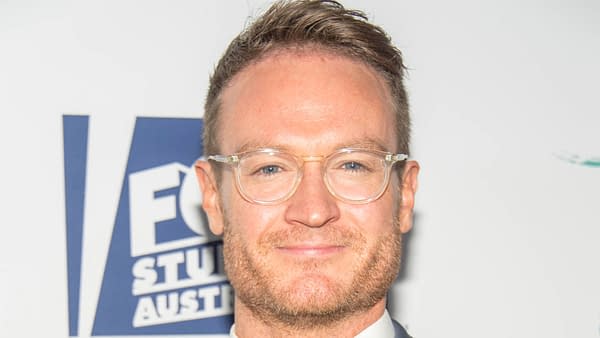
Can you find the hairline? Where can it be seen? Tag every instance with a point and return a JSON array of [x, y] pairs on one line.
[[302, 49]]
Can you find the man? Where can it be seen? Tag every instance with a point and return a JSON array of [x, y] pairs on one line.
[[307, 178]]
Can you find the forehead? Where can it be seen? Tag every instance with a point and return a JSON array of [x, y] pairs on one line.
[[308, 102]]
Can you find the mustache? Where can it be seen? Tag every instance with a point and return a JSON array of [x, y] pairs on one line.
[[328, 234]]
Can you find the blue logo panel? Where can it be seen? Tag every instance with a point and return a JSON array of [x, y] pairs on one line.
[[164, 272]]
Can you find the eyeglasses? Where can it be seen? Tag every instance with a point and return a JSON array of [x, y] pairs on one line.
[[269, 176]]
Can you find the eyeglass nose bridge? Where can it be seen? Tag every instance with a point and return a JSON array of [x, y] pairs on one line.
[[307, 159], [300, 175], [312, 158]]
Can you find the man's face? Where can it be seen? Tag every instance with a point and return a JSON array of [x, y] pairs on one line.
[[311, 256]]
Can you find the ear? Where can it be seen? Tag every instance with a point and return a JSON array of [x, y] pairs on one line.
[[408, 190], [210, 196]]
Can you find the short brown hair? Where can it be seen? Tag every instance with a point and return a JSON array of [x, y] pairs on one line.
[[325, 24]]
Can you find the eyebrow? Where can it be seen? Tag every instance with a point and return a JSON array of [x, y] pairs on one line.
[[367, 143]]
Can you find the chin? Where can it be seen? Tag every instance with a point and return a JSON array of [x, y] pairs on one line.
[[311, 293]]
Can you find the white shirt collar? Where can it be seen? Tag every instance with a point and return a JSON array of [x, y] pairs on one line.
[[383, 327], [232, 331]]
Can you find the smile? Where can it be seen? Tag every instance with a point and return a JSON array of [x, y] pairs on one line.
[[311, 250]]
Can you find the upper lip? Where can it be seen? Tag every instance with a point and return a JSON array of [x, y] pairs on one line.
[[309, 246]]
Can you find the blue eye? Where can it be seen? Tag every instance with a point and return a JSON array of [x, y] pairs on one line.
[[269, 170], [353, 166]]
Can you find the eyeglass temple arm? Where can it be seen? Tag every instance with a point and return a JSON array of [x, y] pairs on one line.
[[396, 157], [224, 158]]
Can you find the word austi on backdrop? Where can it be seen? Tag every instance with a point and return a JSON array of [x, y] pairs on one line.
[[164, 270]]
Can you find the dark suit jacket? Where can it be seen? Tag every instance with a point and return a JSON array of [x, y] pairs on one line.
[[399, 331]]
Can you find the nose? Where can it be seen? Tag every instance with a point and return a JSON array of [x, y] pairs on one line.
[[312, 205]]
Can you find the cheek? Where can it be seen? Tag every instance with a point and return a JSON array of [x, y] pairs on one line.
[[251, 220], [375, 218]]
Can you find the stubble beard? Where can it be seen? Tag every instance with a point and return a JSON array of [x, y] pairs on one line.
[[321, 302]]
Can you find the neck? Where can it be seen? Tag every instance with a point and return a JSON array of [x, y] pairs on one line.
[[248, 324]]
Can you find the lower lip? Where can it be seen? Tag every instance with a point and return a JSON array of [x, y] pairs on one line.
[[311, 251]]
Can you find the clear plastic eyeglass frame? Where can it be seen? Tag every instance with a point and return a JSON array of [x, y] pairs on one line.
[[388, 160]]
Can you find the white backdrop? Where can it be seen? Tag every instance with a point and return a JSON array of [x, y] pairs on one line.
[[506, 127]]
